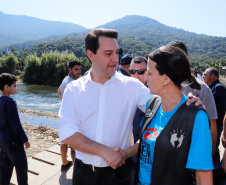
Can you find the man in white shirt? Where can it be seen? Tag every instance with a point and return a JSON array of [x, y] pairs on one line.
[[97, 112], [74, 71]]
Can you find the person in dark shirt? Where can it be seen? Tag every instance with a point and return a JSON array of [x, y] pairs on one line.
[[211, 78], [12, 135], [125, 64], [138, 69]]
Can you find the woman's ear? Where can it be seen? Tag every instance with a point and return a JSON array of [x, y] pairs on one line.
[[166, 80]]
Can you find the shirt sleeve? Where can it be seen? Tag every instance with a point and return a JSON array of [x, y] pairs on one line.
[[14, 120], [200, 153], [207, 98], [68, 118], [143, 96], [62, 87]]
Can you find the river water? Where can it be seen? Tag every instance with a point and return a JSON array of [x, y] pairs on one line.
[[37, 97]]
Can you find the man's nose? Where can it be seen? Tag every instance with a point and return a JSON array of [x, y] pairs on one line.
[[136, 74], [115, 57]]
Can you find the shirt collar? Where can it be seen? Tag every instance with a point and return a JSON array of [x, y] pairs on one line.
[[116, 76], [214, 83]]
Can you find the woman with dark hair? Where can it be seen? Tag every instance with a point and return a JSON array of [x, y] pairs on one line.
[[175, 143]]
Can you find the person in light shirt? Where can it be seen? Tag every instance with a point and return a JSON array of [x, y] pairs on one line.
[[97, 112]]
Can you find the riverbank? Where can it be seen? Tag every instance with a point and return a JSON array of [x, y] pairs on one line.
[[39, 113], [40, 137]]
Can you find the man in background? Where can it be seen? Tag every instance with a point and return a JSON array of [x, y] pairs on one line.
[[138, 70], [204, 94], [211, 78], [74, 71], [125, 64]]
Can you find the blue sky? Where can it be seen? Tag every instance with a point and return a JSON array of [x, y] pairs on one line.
[[199, 16]]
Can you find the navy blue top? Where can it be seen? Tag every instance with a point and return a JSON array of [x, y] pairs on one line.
[[219, 94], [124, 72], [136, 122], [11, 130]]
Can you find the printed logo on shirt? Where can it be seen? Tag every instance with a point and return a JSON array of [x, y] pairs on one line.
[[145, 152], [176, 138], [148, 135]]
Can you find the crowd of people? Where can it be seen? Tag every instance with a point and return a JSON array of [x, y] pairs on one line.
[[131, 120]]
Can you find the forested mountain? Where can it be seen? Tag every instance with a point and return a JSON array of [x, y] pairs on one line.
[[138, 35], [15, 29], [147, 34]]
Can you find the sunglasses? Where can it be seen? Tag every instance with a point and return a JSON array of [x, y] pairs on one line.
[[139, 71]]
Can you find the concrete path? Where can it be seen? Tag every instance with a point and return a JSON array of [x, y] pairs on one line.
[[44, 169]]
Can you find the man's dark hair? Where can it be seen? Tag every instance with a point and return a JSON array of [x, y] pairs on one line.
[[74, 62], [180, 45], [138, 60], [92, 38], [7, 79], [214, 71]]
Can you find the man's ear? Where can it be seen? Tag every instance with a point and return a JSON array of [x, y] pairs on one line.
[[90, 55], [211, 77]]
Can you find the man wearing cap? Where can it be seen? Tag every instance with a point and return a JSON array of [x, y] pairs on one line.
[[125, 64]]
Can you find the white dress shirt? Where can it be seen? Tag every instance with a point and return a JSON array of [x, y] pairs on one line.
[[102, 112]]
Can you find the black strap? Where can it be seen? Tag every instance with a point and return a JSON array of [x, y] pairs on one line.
[[152, 107]]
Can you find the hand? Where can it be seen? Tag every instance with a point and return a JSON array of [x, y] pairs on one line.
[[27, 145], [196, 100], [224, 142], [114, 159], [117, 149]]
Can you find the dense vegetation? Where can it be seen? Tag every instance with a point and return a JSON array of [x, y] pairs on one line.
[[49, 69], [44, 61]]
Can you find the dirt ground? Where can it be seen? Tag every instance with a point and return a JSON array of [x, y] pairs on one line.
[[40, 137]]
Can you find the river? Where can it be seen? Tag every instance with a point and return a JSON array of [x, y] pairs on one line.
[[37, 97]]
